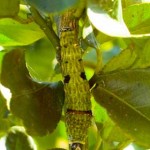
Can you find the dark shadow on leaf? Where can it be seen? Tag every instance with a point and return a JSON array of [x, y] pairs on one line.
[[126, 96], [38, 105]]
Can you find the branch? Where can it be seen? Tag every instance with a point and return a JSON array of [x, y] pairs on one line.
[[48, 30]]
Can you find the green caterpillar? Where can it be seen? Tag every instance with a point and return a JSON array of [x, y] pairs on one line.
[[78, 113]]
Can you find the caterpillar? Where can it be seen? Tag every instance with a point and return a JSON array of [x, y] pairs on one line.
[[78, 114]]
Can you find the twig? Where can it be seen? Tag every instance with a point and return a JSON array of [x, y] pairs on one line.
[[48, 30]]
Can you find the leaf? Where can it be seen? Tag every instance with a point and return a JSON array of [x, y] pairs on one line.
[[2, 106], [9, 8], [137, 17], [111, 140], [143, 56], [103, 22], [123, 60], [136, 57], [38, 105], [40, 60], [50, 6], [12, 33], [125, 94], [106, 24], [17, 139], [4, 124]]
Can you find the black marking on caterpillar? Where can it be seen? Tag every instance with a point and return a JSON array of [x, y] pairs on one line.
[[66, 79], [83, 76]]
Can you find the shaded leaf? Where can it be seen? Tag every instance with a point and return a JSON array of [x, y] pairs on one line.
[[3, 106], [9, 8], [125, 94], [49, 6], [54, 139], [4, 124], [17, 139], [38, 105], [12, 33]]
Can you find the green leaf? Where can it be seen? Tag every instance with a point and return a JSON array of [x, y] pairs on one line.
[[4, 124], [129, 58], [38, 105], [17, 139], [137, 18], [123, 60], [111, 140], [125, 94], [49, 6], [54, 139], [2, 106], [40, 60], [143, 56], [12, 33], [115, 27], [9, 8]]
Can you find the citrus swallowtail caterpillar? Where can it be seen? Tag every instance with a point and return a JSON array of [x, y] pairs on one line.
[[77, 91]]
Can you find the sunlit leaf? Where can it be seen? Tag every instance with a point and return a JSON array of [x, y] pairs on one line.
[[17, 139], [106, 24], [40, 60], [125, 94], [143, 56], [38, 105], [122, 61], [49, 6], [115, 27], [9, 8], [137, 17], [12, 33], [138, 57]]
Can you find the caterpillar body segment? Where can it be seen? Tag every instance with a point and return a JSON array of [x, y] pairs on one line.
[[78, 113]]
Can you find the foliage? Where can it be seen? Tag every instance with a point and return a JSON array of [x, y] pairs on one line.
[[120, 82]]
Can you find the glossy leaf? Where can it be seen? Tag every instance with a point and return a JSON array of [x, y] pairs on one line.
[[17, 139], [125, 94], [108, 25], [38, 105], [49, 6], [105, 23], [9, 8], [12, 33]]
